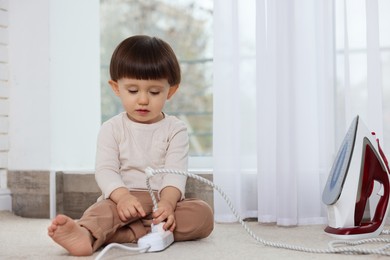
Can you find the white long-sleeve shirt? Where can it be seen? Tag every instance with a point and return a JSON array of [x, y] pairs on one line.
[[126, 148]]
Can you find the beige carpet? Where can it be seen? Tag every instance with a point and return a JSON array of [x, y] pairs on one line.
[[22, 238]]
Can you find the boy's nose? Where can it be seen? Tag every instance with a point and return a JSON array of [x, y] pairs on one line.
[[143, 99]]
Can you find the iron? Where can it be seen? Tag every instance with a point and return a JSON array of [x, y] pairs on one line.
[[357, 190]]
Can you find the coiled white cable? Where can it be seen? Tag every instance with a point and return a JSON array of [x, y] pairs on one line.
[[334, 247]]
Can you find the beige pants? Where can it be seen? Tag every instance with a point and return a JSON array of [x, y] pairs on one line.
[[194, 220]]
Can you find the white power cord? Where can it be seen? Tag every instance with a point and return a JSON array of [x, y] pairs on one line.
[[121, 246]]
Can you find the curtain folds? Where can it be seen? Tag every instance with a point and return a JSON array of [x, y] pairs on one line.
[[274, 107]]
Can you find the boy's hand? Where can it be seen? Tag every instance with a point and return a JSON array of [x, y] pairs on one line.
[[127, 205], [165, 212], [166, 208]]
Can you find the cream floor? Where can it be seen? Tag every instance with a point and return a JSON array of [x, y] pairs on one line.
[[23, 238]]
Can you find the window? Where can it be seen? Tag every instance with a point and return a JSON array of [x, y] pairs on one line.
[[357, 46], [187, 27]]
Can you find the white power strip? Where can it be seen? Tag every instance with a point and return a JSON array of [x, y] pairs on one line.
[[157, 240]]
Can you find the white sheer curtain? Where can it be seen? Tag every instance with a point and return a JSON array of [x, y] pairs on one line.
[[275, 121], [359, 87]]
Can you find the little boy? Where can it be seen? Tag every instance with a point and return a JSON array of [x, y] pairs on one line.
[[144, 74]]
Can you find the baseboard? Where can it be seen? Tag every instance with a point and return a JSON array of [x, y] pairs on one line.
[[5, 200]]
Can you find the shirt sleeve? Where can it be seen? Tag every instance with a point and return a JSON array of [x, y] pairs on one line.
[[177, 158], [107, 161]]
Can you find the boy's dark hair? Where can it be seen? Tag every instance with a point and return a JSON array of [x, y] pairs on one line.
[[145, 57]]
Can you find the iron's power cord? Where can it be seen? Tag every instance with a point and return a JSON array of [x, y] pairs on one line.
[[334, 247]]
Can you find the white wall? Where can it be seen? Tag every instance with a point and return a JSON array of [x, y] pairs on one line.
[[5, 195], [54, 84]]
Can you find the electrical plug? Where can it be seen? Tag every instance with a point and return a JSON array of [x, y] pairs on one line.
[[157, 240], [158, 227]]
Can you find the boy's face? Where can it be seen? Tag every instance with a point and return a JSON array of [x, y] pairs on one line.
[[143, 100]]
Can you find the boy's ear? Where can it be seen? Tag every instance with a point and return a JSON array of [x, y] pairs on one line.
[[172, 90], [114, 86]]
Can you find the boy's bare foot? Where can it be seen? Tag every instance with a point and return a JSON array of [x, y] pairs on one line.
[[68, 234]]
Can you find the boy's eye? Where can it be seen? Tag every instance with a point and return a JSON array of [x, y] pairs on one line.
[[132, 91], [154, 93]]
